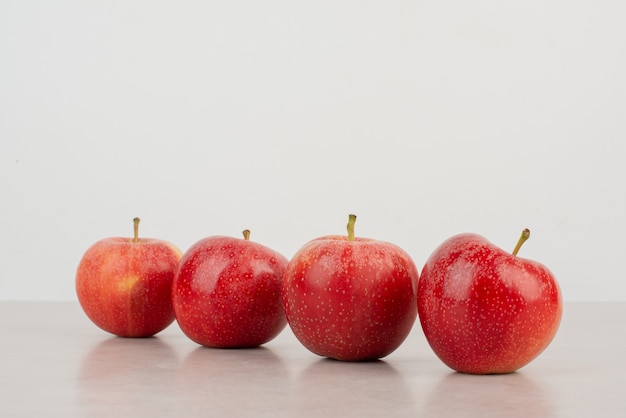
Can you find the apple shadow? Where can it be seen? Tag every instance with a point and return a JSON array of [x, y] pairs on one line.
[[330, 387], [232, 381], [114, 374], [497, 395]]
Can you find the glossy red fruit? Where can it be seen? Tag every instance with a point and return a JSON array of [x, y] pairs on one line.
[[350, 298], [226, 292], [484, 310], [124, 285]]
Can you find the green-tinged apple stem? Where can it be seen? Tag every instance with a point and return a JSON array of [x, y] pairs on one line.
[[522, 239], [351, 221], [136, 229], [246, 234]]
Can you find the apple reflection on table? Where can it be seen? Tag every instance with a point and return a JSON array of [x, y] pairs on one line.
[[127, 374], [498, 395], [149, 377], [330, 387], [232, 382]]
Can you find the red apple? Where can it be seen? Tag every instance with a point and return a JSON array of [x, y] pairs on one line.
[[226, 292], [350, 298], [124, 285], [484, 310]]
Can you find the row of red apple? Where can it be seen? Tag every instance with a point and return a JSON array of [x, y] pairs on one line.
[[482, 309]]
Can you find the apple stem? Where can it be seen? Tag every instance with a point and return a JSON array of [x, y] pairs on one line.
[[136, 229], [351, 221], [522, 239], [246, 234]]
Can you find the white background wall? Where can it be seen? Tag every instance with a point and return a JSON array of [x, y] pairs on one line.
[[425, 118]]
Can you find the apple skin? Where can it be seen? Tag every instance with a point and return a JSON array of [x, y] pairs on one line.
[[226, 293], [350, 300], [484, 310], [125, 286]]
